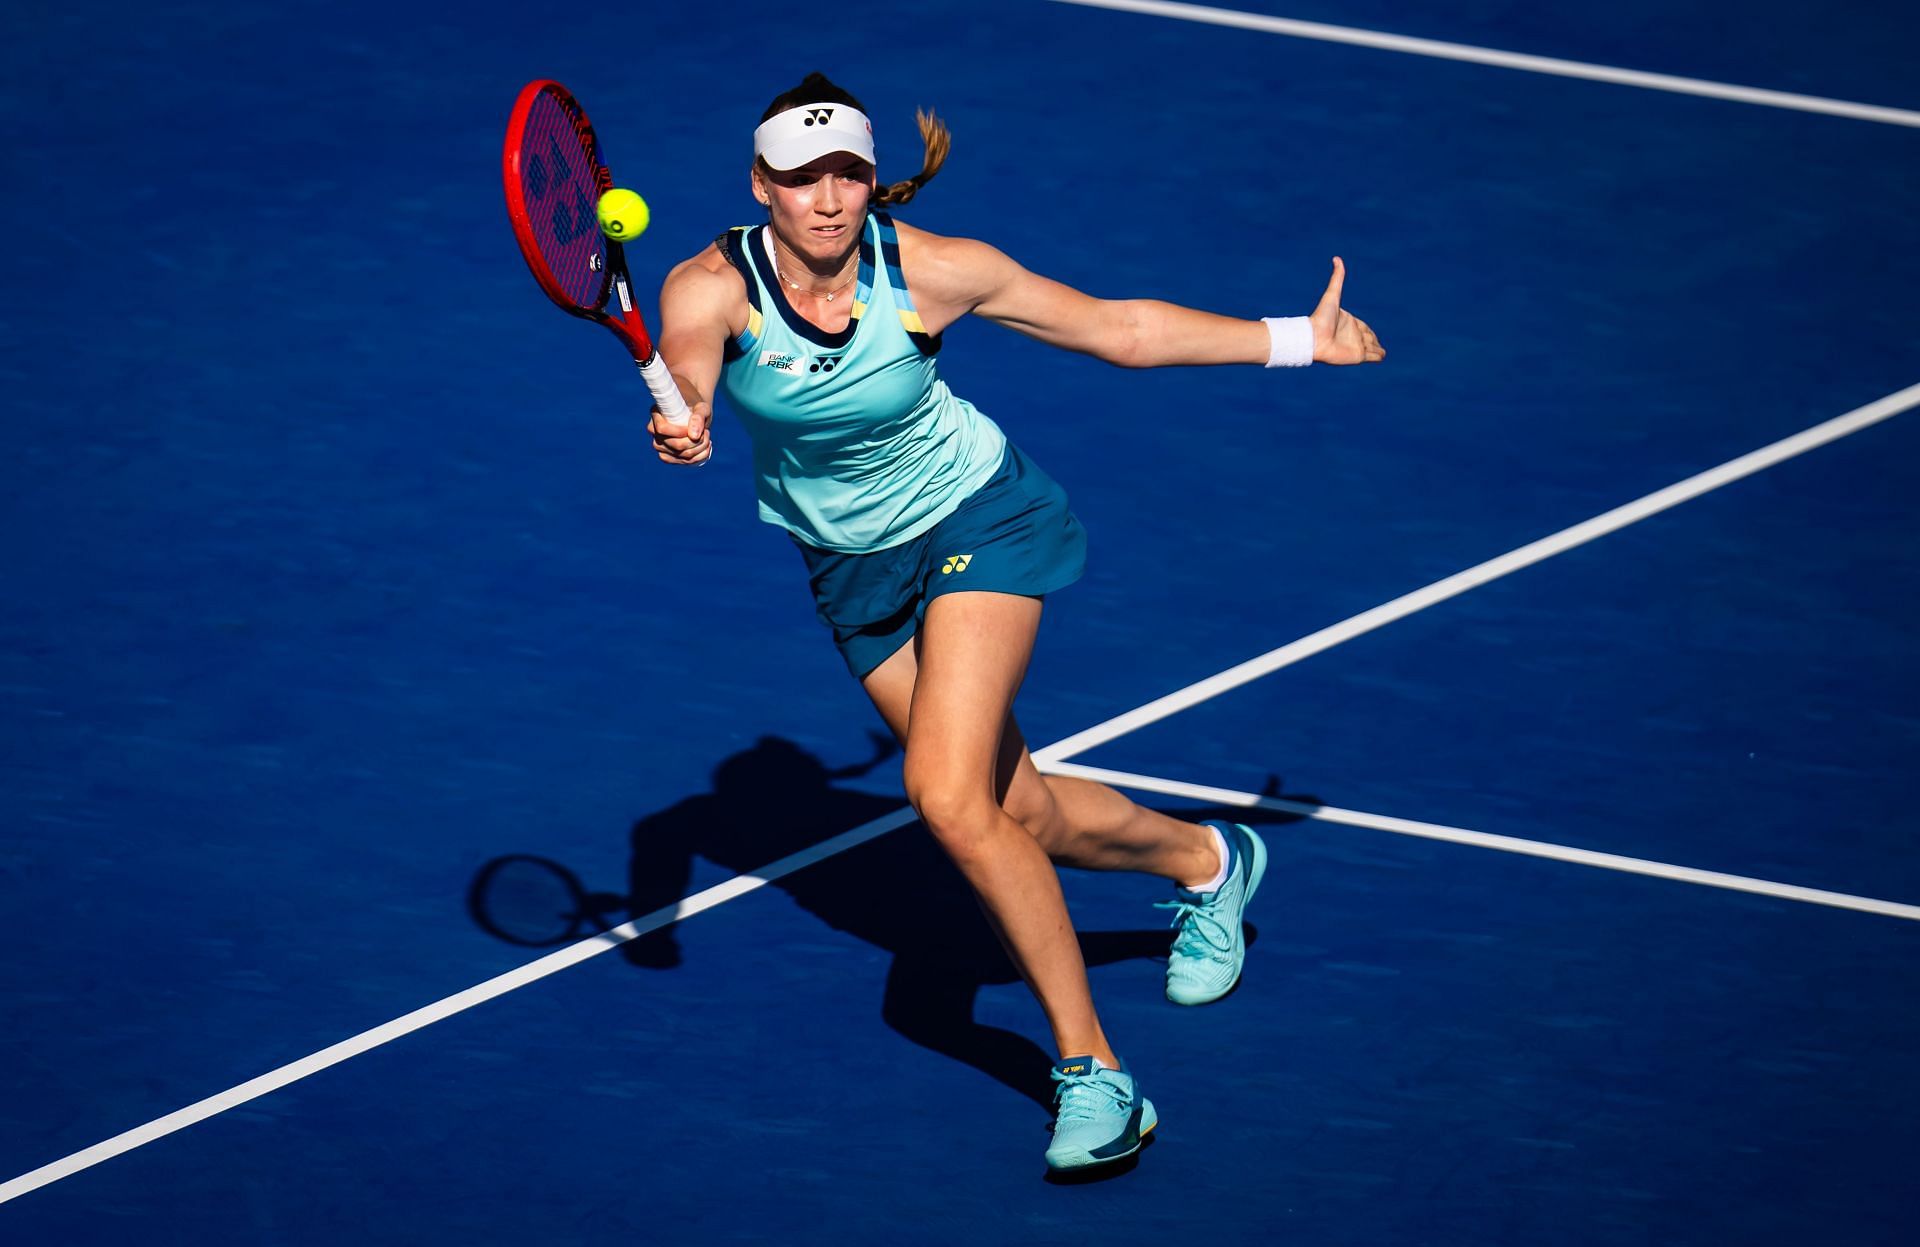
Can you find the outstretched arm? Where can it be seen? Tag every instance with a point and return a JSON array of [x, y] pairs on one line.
[[953, 276]]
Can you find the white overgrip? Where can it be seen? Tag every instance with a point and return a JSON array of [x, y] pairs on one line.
[[666, 395]]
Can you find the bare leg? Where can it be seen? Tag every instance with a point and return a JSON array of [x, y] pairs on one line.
[[1079, 823], [973, 651], [1092, 827]]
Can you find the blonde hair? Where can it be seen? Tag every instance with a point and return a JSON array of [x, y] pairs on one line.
[[937, 141]]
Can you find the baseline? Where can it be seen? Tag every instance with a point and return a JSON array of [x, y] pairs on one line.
[[1488, 840], [1441, 50]]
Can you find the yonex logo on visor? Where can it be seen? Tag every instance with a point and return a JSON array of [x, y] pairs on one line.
[[802, 135]]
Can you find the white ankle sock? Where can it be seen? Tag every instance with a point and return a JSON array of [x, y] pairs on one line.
[[1226, 859]]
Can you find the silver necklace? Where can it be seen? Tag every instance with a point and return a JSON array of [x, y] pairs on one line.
[[829, 297]]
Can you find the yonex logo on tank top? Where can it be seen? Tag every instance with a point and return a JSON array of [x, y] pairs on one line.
[[824, 363]]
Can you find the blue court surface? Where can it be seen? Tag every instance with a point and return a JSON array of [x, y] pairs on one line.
[[356, 650]]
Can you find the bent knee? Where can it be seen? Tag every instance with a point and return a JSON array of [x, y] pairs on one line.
[[953, 809], [962, 812]]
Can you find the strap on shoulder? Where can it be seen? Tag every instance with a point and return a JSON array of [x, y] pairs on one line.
[[889, 257], [732, 243]]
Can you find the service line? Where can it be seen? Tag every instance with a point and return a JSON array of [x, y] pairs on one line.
[[1487, 840]]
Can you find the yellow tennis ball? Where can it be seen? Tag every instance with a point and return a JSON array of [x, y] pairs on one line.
[[623, 215]]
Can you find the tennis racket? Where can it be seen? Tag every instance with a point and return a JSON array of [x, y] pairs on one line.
[[554, 178]]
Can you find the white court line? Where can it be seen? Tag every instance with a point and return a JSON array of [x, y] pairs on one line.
[[480, 993], [1458, 583], [1507, 60], [1053, 755], [1486, 840]]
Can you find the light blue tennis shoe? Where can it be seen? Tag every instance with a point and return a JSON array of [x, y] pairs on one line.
[[1099, 1115], [1211, 946]]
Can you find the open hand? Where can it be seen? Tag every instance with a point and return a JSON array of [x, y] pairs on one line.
[[1338, 336]]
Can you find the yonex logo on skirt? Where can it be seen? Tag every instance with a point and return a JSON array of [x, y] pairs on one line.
[[958, 563]]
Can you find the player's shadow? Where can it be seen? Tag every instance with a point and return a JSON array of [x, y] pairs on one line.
[[898, 893]]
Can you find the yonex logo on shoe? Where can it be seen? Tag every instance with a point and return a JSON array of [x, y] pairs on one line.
[[818, 116], [958, 563], [824, 363]]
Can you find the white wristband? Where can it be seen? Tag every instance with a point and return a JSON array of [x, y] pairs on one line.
[[1291, 341]]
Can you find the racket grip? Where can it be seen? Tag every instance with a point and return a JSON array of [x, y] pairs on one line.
[[666, 395]]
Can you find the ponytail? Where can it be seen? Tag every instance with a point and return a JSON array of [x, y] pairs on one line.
[[936, 140]]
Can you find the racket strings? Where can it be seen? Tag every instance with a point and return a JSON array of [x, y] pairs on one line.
[[559, 179]]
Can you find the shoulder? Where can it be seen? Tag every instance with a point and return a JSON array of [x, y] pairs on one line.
[[705, 286], [951, 270], [708, 272]]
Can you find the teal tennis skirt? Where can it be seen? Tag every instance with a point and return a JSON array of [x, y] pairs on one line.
[[1014, 534]]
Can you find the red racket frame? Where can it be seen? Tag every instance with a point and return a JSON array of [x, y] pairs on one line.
[[630, 328]]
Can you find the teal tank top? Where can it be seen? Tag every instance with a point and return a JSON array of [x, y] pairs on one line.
[[857, 443]]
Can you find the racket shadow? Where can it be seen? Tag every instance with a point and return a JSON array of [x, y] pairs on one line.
[[897, 893]]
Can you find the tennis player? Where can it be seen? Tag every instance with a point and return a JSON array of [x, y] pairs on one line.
[[930, 540]]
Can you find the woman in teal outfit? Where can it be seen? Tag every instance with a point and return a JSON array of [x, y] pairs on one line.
[[930, 540]]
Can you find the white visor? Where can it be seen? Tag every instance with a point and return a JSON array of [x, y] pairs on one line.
[[802, 135]]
